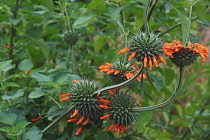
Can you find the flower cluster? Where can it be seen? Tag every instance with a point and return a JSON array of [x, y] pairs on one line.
[[120, 71], [119, 109], [86, 106], [184, 56], [146, 49]]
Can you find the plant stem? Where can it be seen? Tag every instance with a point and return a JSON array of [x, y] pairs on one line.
[[56, 121], [177, 25], [120, 84], [72, 59], [146, 27], [55, 101], [169, 100]]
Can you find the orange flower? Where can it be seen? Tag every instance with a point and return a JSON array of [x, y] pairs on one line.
[[7, 47], [183, 56]]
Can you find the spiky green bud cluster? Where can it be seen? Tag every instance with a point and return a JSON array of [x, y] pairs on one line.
[[184, 57], [145, 45], [83, 100], [71, 37], [120, 109], [124, 68]]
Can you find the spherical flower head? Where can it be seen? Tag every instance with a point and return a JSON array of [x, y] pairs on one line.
[[85, 104], [71, 37], [120, 111], [146, 49], [120, 71], [184, 56]]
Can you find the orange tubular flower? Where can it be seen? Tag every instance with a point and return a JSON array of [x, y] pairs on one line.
[[65, 99], [184, 56], [119, 104], [146, 49], [120, 71], [79, 131], [36, 119], [76, 112]]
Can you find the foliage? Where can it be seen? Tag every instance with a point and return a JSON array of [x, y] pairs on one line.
[[37, 66]]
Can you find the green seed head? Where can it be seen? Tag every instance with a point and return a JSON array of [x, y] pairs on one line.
[[70, 37], [146, 45]]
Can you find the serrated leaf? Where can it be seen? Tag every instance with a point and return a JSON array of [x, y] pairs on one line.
[[47, 83], [17, 94], [83, 20], [4, 65], [62, 79], [101, 135], [40, 77], [114, 12], [37, 93], [6, 129], [144, 118], [25, 65], [19, 128], [32, 134], [7, 117]]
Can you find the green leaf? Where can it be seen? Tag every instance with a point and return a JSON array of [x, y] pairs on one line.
[[99, 42], [144, 118], [6, 129], [95, 4], [62, 79], [12, 84], [74, 77], [201, 9], [17, 94], [32, 134], [19, 128], [37, 93], [25, 65], [101, 135], [47, 83], [14, 21], [114, 12], [53, 112], [7, 117], [158, 81], [40, 77], [83, 20], [4, 65]]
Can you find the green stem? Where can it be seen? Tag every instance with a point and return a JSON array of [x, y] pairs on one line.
[[185, 39], [169, 100], [55, 101], [72, 59], [121, 84], [146, 27], [177, 25], [56, 121], [207, 136]]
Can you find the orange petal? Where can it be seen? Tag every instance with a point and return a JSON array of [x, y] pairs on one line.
[[79, 131], [73, 120], [110, 127], [145, 61], [123, 51], [111, 92], [104, 106], [110, 71], [154, 61], [76, 112], [65, 99], [86, 121], [80, 120], [150, 64], [105, 102], [36, 119], [67, 94], [132, 56], [104, 117], [116, 72], [161, 59]]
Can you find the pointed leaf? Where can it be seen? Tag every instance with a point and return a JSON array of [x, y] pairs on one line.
[[37, 93], [17, 94], [25, 65], [7, 117]]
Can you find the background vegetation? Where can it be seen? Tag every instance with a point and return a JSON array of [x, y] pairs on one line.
[[37, 66]]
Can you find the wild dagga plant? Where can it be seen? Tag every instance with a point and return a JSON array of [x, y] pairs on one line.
[[91, 102]]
